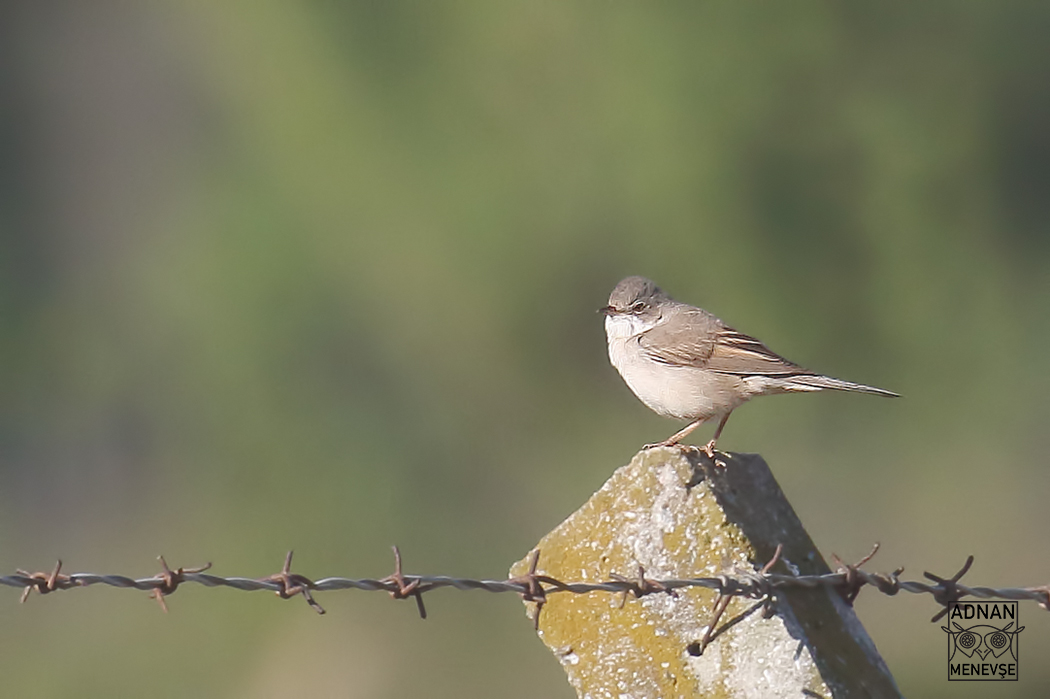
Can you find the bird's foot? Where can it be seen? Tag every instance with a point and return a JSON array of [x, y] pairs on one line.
[[668, 443], [713, 454], [707, 450]]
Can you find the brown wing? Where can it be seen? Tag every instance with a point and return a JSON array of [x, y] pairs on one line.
[[689, 340], [743, 355], [697, 338]]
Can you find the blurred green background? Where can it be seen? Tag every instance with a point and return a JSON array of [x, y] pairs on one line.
[[322, 276]]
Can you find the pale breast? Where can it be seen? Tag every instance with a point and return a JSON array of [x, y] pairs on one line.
[[685, 393]]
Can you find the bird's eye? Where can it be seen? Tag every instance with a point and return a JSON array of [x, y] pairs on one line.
[[637, 307]]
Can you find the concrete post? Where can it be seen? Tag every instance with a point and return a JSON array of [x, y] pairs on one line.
[[678, 516]]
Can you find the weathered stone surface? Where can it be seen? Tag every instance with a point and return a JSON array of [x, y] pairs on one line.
[[680, 518]]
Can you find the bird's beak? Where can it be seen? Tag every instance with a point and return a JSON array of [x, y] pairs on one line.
[[607, 310]]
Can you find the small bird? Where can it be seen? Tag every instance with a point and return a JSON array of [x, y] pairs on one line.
[[685, 363]]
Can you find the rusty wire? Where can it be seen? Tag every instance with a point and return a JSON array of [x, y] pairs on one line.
[[534, 587]]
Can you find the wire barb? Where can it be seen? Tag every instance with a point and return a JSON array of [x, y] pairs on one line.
[[768, 601], [756, 586], [721, 603], [401, 589], [169, 581], [853, 580], [947, 592], [45, 582], [532, 588], [292, 584], [773, 561], [1044, 602], [641, 586]]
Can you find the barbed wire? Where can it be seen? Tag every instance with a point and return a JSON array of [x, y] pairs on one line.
[[762, 585]]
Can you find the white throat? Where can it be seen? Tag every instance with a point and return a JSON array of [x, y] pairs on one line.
[[624, 327]]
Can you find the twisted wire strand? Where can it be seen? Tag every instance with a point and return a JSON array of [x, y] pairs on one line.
[[532, 586]]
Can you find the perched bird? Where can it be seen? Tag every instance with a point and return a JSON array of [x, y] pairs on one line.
[[685, 363]]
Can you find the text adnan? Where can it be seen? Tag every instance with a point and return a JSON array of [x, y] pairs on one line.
[[983, 611]]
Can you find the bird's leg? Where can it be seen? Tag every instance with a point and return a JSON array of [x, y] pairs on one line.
[[678, 436], [709, 448]]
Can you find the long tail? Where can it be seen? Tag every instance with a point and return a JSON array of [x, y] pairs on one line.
[[816, 382]]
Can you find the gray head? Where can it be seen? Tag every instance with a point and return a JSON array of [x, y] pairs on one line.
[[635, 296]]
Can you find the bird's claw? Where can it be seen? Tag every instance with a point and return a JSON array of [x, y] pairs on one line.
[[676, 445], [707, 450], [712, 454]]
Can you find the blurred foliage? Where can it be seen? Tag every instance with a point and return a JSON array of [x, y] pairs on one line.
[[322, 275]]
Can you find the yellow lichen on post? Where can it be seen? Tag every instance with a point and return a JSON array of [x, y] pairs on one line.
[[656, 513]]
